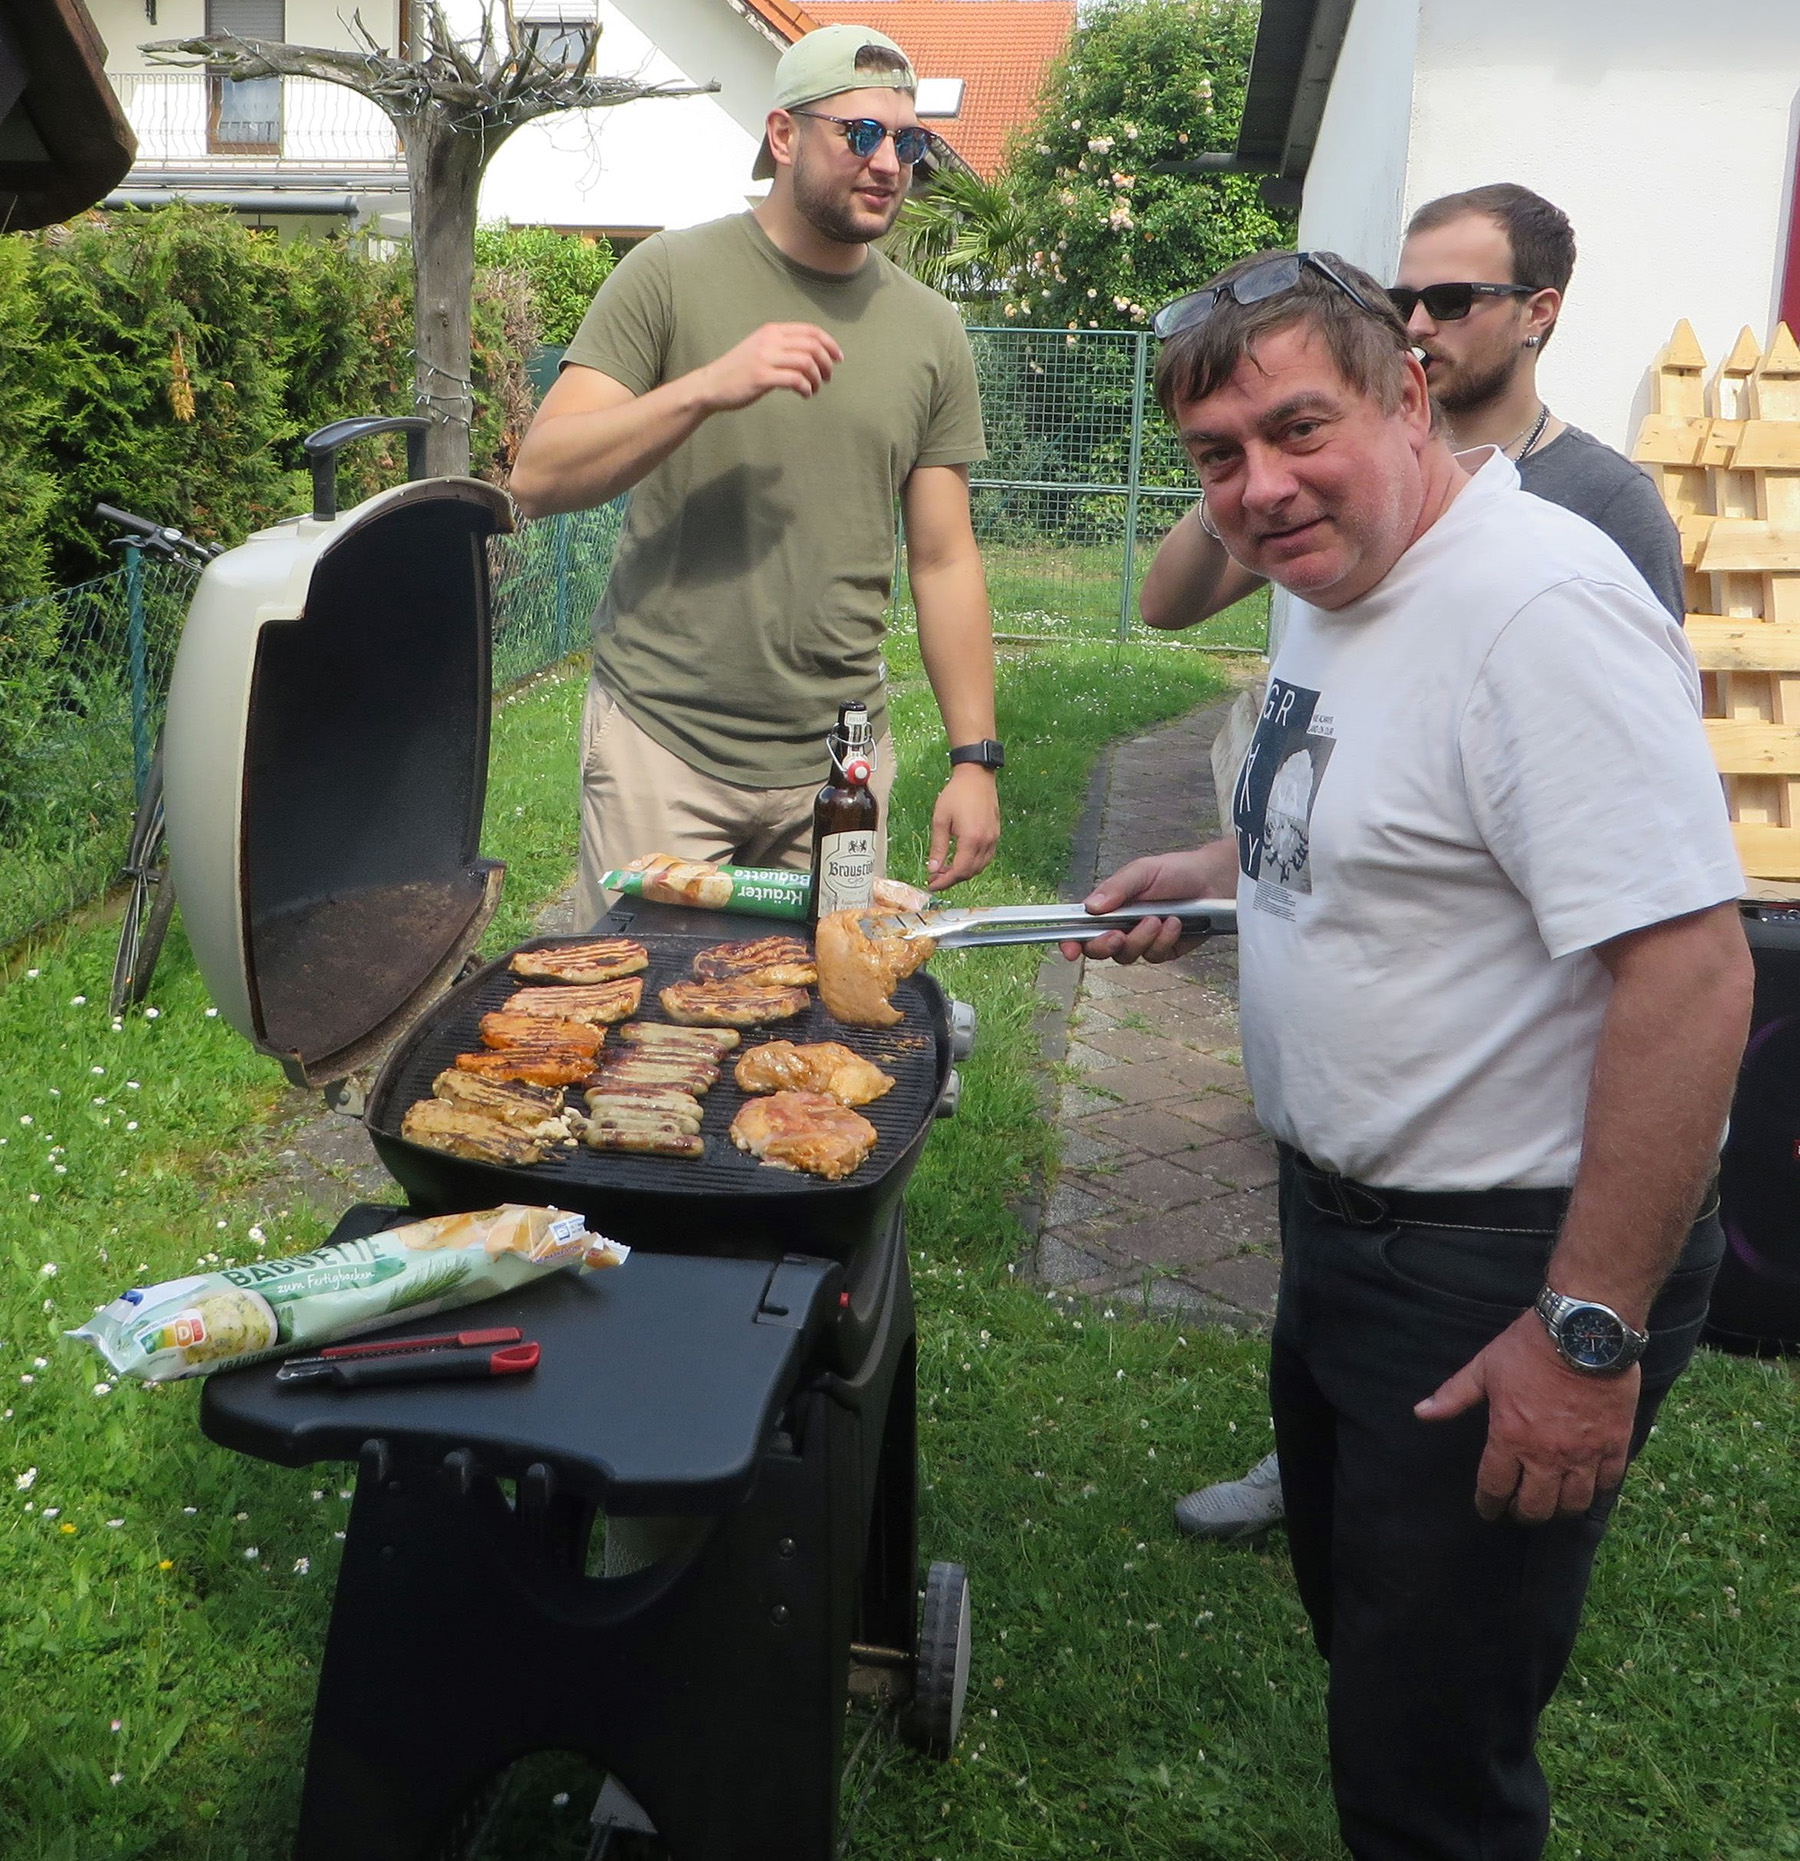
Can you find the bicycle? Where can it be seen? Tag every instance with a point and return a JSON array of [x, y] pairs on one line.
[[151, 901]]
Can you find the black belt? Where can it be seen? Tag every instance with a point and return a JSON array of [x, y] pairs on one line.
[[1523, 1211]]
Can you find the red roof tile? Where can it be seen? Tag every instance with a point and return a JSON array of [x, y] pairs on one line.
[[1001, 49]]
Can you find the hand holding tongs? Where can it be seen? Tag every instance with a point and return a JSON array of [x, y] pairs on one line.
[[998, 924], [451, 1357]]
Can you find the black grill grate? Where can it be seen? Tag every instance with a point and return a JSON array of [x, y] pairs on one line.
[[908, 1052]]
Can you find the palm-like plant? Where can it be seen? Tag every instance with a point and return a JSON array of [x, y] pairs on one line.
[[966, 237]]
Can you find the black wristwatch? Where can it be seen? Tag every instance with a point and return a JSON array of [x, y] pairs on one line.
[[988, 753], [1588, 1336]]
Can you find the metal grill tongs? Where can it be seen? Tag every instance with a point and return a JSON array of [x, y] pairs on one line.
[[997, 924]]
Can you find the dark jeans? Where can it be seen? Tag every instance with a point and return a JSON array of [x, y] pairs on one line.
[[1446, 1636]]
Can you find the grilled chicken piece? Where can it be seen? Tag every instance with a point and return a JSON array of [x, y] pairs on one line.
[[599, 960], [804, 1131], [819, 1066], [658, 1038], [596, 1003], [730, 1004], [859, 973], [461, 1133], [782, 961], [559, 1068], [535, 1110], [539, 1033]]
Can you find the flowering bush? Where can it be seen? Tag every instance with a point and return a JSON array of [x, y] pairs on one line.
[[1144, 82]]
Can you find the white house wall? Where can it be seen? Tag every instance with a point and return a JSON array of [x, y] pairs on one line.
[[1665, 129], [1356, 187]]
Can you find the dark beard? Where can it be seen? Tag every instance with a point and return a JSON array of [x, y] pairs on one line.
[[832, 216], [1477, 391]]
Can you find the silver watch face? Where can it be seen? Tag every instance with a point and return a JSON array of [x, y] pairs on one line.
[[1592, 1337]]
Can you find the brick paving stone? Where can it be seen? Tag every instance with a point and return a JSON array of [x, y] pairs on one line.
[[1073, 1199], [1183, 1240], [1200, 1072], [1238, 1162], [1131, 1045], [1089, 1057], [1084, 1145], [1077, 1102], [1221, 1114], [1141, 1085], [1158, 1183], [1146, 1127], [1249, 1281]]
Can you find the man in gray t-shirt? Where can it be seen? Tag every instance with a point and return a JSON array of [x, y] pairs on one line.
[[1480, 284]]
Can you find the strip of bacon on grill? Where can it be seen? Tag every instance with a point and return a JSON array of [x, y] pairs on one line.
[[804, 1131], [601, 959], [785, 961], [560, 1068], [540, 1034], [859, 973], [463, 1133], [598, 1003], [730, 1004], [659, 1037], [826, 1066], [535, 1110]]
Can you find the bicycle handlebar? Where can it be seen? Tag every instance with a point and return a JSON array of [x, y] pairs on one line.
[[160, 537]]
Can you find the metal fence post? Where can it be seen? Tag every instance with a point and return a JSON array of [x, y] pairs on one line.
[[1133, 475], [560, 543], [140, 670]]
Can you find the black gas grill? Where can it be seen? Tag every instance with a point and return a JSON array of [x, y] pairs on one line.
[[660, 1549]]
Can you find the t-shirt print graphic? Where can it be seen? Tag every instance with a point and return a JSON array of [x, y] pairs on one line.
[[1272, 806]]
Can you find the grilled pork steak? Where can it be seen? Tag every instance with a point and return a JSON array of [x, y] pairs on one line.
[[598, 1002], [461, 1133], [560, 1068], [535, 1110], [600, 960], [730, 1004], [804, 1131], [818, 1066], [783, 961], [539, 1033]]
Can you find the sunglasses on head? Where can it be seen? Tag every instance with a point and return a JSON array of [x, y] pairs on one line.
[[865, 136], [1450, 303], [1261, 282]]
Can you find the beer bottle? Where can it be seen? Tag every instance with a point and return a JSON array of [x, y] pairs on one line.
[[845, 817]]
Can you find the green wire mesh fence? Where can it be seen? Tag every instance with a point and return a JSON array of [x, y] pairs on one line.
[[84, 674]]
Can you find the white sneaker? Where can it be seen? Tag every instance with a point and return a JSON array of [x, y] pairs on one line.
[[1232, 1509]]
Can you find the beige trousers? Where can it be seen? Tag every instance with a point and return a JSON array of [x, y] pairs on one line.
[[638, 798]]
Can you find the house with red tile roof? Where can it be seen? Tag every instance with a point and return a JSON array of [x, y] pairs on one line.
[[671, 162]]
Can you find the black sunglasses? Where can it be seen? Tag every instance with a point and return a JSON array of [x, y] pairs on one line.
[[1450, 303], [865, 136], [1257, 285]]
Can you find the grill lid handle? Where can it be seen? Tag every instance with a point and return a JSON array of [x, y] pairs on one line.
[[323, 446]]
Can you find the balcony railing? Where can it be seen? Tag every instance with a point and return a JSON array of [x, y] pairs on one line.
[[197, 119]]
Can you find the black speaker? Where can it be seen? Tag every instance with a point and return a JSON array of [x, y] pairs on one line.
[[1756, 1299]]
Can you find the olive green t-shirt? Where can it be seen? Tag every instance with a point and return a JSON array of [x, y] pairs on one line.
[[748, 597]]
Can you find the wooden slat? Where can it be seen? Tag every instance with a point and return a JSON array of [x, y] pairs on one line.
[[1745, 748], [1768, 852], [1722, 645], [1767, 444], [1741, 543], [1664, 440]]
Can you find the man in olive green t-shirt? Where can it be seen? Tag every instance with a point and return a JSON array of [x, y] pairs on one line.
[[766, 386]]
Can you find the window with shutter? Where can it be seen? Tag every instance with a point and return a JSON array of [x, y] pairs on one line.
[[244, 115]]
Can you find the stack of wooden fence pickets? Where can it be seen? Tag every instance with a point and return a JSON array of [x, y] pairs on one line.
[[1725, 453]]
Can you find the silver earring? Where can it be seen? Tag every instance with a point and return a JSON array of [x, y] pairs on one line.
[[1206, 523], [1531, 342]]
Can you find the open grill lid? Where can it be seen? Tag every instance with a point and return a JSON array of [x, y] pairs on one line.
[[325, 764]]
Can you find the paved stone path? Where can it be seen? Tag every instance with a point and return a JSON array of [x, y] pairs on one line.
[[1167, 1184]]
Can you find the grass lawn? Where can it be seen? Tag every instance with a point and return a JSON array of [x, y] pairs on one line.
[[163, 1602]]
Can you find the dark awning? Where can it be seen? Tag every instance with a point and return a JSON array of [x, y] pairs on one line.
[[64, 141]]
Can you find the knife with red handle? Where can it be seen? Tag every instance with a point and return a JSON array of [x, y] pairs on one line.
[[450, 1362]]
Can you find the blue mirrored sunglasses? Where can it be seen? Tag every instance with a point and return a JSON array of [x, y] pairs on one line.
[[865, 136]]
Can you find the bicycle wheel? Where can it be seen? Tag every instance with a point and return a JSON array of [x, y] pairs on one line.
[[152, 900]]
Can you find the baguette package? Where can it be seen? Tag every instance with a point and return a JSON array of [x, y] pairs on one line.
[[761, 891], [272, 1308]]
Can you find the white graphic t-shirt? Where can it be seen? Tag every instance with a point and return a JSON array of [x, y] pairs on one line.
[[1461, 784]]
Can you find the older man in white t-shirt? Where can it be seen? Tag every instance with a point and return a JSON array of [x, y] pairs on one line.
[[1494, 990]]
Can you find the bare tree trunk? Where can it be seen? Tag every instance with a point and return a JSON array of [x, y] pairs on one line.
[[443, 170]]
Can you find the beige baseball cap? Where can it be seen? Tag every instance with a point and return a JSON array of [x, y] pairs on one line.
[[822, 64]]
